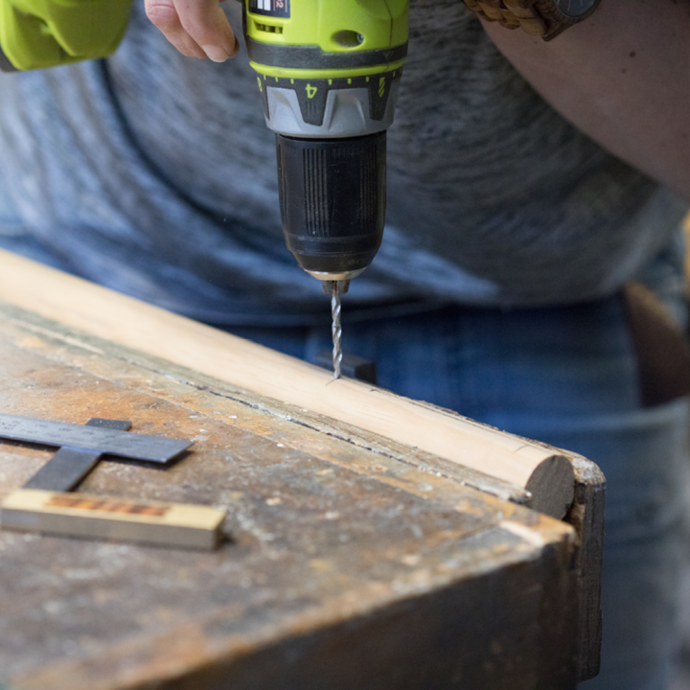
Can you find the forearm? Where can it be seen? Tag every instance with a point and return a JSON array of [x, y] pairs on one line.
[[623, 77]]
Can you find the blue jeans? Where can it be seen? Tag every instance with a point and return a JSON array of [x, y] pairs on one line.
[[566, 376]]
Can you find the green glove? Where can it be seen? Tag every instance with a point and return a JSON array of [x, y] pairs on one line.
[[43, 33]]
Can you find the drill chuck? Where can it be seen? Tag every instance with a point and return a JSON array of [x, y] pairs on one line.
[[333, 202]]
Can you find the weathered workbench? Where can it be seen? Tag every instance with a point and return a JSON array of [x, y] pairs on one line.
[[352, 561]]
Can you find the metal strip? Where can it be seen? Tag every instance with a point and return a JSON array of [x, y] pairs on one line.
[[66, 469], [305, 57], [97, 440]]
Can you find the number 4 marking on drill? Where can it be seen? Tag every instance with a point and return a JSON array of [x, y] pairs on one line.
[[311, 91]]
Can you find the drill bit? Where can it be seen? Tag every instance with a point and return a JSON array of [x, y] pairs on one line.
[[337, 333], [336, 288]]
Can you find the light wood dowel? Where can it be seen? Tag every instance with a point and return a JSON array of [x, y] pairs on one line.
[[130, 322]]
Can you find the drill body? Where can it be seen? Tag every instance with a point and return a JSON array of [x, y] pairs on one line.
[[328, 73], [35, 34]]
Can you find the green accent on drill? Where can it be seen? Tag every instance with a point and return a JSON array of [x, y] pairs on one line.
[[35, 34], [281, 73], [344, 27]]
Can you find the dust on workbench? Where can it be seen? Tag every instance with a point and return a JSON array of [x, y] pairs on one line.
[[321, 530]]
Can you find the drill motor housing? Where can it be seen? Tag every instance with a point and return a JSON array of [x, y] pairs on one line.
[[328, 73]]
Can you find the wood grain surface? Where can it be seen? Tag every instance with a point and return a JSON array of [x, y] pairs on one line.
[[351, 561]]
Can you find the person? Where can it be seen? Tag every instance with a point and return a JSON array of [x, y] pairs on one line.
[[529, 182]]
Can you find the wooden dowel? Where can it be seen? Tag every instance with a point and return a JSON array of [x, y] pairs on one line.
[[130, 322]]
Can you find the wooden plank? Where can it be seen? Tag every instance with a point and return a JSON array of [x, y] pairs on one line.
[[546, 475], [176, 525], [348, 567], [294, 428]]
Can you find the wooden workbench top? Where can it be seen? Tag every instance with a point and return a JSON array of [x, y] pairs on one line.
[[352, 561]]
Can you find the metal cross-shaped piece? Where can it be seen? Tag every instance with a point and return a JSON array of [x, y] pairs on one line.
[[82, 447]]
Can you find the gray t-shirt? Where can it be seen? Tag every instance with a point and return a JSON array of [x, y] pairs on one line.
[[154, 174]]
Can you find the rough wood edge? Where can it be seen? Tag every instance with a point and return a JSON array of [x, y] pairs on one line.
[[586, 516], [167, 652]]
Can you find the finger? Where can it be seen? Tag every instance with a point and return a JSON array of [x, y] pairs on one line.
[[163, 15], [208, 26]]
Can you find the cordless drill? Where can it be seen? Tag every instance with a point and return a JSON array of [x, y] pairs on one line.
[[328, 73]]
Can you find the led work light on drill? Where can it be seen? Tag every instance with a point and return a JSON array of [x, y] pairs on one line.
[[328, 72]]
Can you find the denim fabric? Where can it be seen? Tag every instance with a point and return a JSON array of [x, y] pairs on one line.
[[566, 376]]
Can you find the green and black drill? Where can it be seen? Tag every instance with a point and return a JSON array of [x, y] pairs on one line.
[[328, 73]]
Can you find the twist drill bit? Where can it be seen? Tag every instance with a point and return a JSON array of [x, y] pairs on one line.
[[336, 288], [337, 332]]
